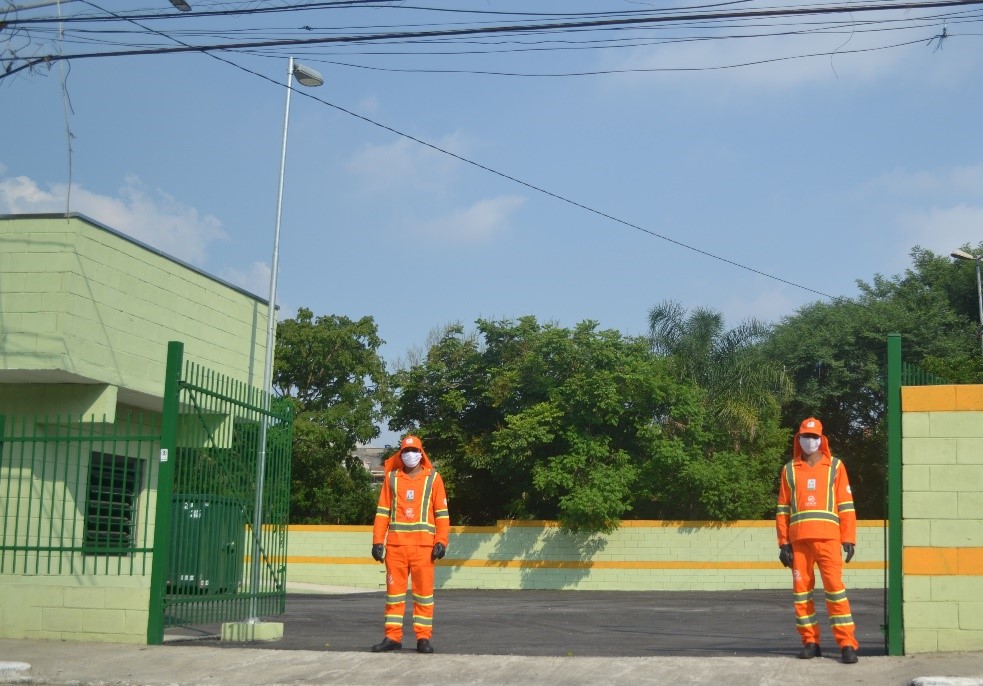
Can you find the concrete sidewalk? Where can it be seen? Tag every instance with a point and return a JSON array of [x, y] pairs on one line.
[[82, 664], [525, 637]]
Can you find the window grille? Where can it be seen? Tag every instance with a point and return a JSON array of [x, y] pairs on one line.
[[114, 488]]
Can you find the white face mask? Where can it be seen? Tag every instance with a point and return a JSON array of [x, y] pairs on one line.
[[809, 444], [411, 458]]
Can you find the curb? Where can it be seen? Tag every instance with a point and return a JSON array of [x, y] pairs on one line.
[[12, 672]]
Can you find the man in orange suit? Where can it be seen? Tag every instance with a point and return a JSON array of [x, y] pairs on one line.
[[815, 519], [410, 534]]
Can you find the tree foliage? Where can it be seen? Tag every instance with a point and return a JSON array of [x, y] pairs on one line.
[[743, 391], [836, 355], [531, 421], [587, 426], [330, 369]]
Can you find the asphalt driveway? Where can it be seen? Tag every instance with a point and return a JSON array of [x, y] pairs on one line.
[[564, 623]]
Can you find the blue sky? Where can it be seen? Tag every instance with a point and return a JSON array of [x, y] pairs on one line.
[[816, 170]]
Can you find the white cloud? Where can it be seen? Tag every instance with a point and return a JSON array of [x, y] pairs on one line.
[[407, 165], [845, 54], [367, 105], [955, 182], [942, 230], [479, 222], [255, 279], [937, 210], [153, 218], [766, 301]]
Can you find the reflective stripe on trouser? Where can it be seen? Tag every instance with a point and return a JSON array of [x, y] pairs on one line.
[[826, 555], [411, 561]]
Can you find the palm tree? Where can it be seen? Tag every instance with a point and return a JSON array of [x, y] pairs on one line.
[[742, 387]]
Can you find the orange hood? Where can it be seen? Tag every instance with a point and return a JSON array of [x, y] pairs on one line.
[[810, 426], [394, 461]]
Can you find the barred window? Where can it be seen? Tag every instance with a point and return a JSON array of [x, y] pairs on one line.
[[114, 486]]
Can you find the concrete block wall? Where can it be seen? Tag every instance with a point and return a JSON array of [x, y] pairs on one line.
[[83, 299], [640, 555], [942, 510], [63, 593], [44, 482], [102, 608]]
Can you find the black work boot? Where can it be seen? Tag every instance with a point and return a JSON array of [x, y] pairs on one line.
[[809, 651], [387, 645], [423, 646], [848, 655]]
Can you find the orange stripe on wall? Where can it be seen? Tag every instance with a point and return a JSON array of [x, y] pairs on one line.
[[570, 564], [943, 561], [962, 398]]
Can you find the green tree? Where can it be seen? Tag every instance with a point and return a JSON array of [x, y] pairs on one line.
[[743, 390], [836, 354], [329, 368], [531, 421], [956, 280]]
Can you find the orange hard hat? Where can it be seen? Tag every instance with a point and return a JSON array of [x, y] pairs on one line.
[[411, 443], [811, 426]]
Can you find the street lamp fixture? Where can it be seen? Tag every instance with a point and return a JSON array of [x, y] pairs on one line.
[[181, 5], [963, 255], [306, 77]]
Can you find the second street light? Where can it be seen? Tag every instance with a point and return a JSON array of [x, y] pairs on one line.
[[963, 255], [306, 77]]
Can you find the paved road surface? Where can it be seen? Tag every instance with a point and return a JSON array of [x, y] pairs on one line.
[[502, 638], [565, 623]]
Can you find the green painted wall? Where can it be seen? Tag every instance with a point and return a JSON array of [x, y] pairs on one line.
[[942, 507], [83, 299], [85, 317], [690, 556], [82, 401], [53, 590], [102, 608]]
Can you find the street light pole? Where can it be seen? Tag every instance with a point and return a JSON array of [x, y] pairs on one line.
[[963, 255], [310, 78]]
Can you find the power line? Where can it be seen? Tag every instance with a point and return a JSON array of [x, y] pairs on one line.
[[532, 186], [502, 29], [524, 30], [635, 70]]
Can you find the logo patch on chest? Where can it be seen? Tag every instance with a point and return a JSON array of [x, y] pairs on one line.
[[811, 484], [410, 494]]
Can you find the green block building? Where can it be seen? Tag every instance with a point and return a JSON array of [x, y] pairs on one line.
[[86, 314]]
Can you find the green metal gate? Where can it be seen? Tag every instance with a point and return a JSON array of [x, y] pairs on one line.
[[75, 494], [178, 496], [220, 545]]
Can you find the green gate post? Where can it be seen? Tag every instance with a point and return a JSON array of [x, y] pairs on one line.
[[895, 602], [165, 492]]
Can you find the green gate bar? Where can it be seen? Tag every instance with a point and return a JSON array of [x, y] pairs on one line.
[[213, 533], [895, 602], [73, 494], [165, 486]]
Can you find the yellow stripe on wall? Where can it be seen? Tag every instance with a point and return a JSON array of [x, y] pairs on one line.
[[504, 524], [943, 561]]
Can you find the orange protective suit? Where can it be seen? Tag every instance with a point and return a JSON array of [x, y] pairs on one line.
[[410, 518], [816, 515]]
